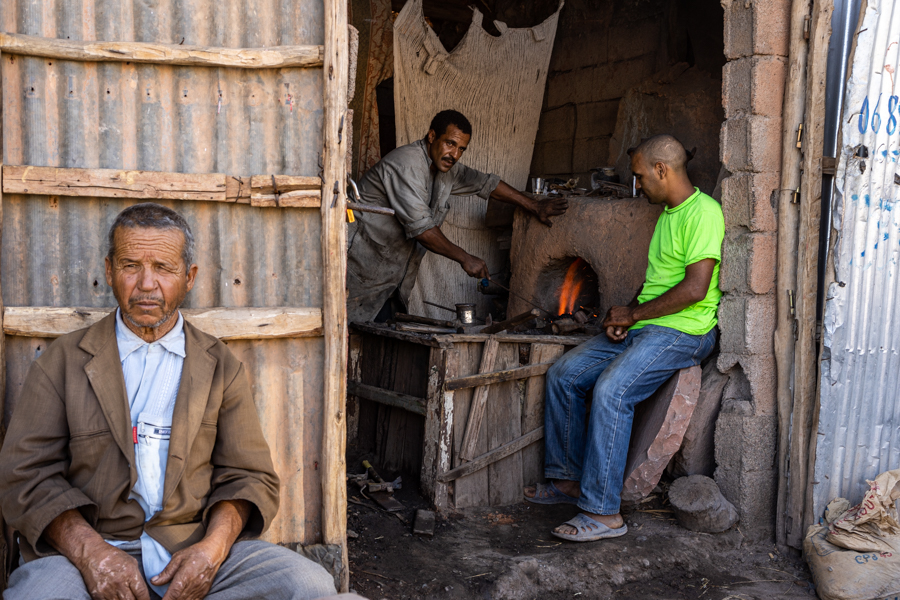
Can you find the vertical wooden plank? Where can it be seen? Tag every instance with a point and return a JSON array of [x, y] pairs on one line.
[[479, 401], [504, 424], [471, 490], [786, 267], [406, 372], [533, 412], [804, 420], [334, 309], [6, 537], [438, 429]]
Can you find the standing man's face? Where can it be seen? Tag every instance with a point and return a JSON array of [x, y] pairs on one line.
[[447, 149], [149, 278]]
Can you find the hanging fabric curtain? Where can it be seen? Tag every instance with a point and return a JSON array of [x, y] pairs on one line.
[[378, 65], [498, 83]]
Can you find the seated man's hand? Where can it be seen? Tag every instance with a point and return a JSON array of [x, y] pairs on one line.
[[618, 320], [191, 571], [111, 574], [616, 334], [552, 207]]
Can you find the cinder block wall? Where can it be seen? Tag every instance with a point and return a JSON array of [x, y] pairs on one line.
[[756, 46]]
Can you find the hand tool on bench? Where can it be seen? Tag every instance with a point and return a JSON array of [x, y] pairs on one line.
[[513, 322], [383, 498], [424, 320]]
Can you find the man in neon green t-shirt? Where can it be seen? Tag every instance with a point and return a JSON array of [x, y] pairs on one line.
[[670, 325]]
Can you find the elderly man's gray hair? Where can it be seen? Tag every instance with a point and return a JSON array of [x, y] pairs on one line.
[[153, 216]]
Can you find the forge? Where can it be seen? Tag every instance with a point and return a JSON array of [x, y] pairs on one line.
[[570, 284], [600, 245]]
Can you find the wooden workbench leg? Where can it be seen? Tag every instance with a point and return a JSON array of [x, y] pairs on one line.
[[354, 373], [436, 446]]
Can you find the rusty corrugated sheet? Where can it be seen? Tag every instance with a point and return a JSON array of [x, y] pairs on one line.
[[187, 119], [859, 420]]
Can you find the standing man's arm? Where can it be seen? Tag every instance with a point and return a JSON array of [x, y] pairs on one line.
[[550, 207], [434, 240]]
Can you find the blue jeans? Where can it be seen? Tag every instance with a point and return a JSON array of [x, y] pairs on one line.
[[622, 375]]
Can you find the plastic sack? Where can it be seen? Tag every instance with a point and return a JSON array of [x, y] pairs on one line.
[[855, 555]]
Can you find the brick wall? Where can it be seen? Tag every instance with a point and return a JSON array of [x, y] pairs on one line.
[[602, 50], [599, 54], [756, 46]]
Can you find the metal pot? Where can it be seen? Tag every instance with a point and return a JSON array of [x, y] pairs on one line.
[[465, 313]]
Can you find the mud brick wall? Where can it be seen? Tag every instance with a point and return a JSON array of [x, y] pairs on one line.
[[756, 46], [602, 50]]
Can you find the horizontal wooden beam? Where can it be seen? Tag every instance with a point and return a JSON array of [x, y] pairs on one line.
[[113, 183], [493, 456], [224, 323], [287, 191], [515, 338], [447, 340], [383, 396], [294, 191], [434, 341], [458, 383], [166, 54]]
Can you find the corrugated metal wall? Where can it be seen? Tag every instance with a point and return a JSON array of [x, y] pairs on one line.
[[186, 119], [859, 420]]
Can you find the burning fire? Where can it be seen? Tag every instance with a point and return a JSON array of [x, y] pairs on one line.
[[568, 294]]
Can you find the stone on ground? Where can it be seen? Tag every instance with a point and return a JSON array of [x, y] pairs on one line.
[[700, 506]]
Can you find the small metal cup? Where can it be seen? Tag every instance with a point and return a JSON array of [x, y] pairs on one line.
[[538, 185], [465, 313]]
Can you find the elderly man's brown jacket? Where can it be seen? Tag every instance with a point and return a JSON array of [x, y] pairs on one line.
[[70, 445]]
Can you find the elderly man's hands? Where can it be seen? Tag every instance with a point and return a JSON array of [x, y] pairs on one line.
[[618, 320], [108, 573], [111, 574], [191, 571], [551, 207]]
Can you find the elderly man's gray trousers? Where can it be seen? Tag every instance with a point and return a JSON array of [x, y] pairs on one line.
[[252, 570]]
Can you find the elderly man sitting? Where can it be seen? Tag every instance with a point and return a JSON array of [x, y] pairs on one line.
[[135, 456]]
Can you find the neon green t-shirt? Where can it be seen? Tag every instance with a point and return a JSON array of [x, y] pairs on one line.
[[690, 232]]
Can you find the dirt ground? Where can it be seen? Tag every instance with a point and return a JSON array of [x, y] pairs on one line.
[[508, 554]]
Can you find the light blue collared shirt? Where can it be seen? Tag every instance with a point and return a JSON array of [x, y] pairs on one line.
[[152, 378]]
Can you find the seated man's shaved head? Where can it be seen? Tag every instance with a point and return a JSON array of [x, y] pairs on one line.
[[659, 166], [664, 149]]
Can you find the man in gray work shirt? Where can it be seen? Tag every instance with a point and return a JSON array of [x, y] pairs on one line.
[[417, 181]]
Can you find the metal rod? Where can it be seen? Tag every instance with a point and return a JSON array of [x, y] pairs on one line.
[[485, 281], [378, 210], [453, 310]]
